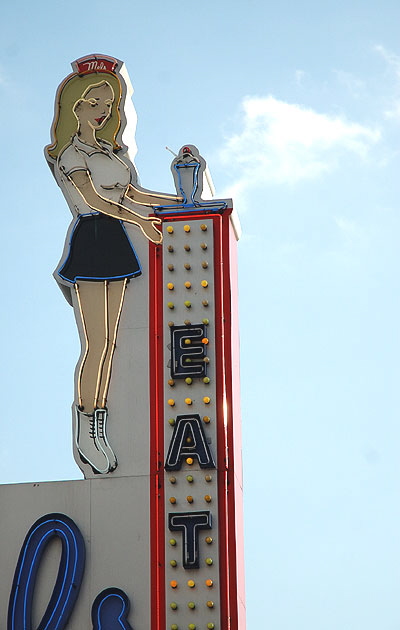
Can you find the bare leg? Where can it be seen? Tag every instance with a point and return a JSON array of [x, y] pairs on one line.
[[98, 307], [91, 304], [116, 294]]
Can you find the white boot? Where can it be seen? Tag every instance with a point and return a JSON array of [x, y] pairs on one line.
[[100, 418], [87, 443]]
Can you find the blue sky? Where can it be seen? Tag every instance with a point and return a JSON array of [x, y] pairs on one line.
[[296, 108]]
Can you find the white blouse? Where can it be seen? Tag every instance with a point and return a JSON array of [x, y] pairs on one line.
[[109, 174]]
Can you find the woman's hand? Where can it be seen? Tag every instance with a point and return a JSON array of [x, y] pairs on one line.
[[149, 229]]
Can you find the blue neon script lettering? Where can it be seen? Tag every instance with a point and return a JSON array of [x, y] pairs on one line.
[[110, 610], [69, 577]]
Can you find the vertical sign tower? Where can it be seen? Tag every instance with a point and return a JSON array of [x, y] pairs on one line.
[[198, 559]]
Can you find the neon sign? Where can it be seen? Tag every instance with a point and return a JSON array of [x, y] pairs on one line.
[[156, 428], [190, 524], [188, 351], [110, 608], [69, 578], [188, 440]]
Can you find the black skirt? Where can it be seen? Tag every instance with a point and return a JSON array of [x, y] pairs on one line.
[[99, 249]]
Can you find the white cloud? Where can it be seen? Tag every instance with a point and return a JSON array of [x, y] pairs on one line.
[[394, 111], [299, 76], [284, 143], [353, 84], [352, 232], [392, 60]]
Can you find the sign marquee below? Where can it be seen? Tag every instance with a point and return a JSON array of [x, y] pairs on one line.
[[151, 538]]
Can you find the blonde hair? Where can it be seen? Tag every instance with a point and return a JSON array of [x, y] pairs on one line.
[[71, 91]]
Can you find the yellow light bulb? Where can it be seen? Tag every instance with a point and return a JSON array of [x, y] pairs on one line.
[[188, 401], [171, 305], [186, 228], [188, 380], [210, 604], [173, 605], [170, 286], [189, 499], [172, 500], [170, 229], [189, 461], [207, 498], [188, 285], [206, 419], [173, 583], [171, 402], [191, 583], [204, 283], [206, 400], [209, 583], [203, 227]]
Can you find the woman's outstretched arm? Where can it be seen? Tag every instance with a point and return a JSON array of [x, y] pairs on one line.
[[151, 199]]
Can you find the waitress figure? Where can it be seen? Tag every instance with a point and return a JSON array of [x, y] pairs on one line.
[[100, 185]]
